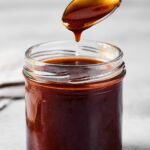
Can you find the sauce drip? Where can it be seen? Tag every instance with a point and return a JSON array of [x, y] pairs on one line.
[[82, 14]]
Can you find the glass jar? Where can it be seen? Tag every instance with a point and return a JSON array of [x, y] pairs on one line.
[[74, 96]]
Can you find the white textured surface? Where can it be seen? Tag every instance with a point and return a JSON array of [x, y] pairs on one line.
[[25, 22]]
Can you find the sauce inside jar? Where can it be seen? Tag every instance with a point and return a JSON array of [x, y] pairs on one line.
[[74, 117]]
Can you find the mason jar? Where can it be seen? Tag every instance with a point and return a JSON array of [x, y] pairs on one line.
[[74, 96]]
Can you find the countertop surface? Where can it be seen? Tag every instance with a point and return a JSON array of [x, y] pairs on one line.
[[25, 22]]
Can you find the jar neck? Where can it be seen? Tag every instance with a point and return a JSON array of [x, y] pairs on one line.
[[36, 69]]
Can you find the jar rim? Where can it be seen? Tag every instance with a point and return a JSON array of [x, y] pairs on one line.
[[37, 67], [42, 63]]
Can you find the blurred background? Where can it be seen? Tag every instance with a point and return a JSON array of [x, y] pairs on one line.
[[27, 22]]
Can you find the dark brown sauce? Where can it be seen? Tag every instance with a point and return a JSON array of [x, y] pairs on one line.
[[73, 117], [74, 61], [82, 14]]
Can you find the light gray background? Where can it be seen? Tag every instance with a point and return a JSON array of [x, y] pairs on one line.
[[27, 22]]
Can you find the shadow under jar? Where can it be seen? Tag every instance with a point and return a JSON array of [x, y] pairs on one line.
[[74, 96]]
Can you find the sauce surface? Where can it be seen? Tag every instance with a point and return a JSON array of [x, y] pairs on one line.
[[74, 61]]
